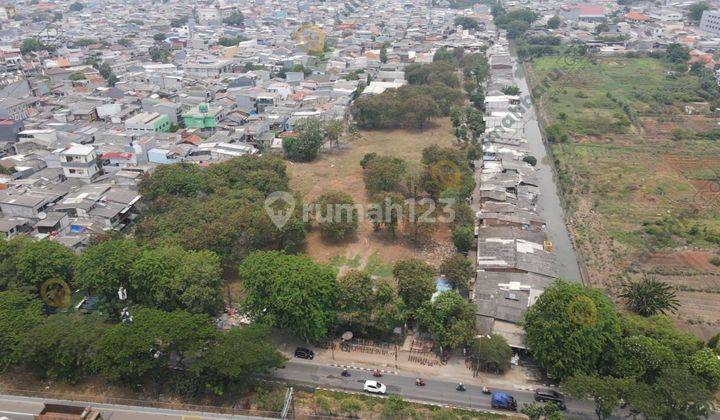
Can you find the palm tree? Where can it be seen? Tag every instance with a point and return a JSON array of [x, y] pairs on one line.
[[649, 297]]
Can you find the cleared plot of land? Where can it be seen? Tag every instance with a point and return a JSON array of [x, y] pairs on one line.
[[642, 190], [340, 170]]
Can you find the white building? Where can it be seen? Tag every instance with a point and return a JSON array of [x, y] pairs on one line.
[[80, 162], [710, 22]]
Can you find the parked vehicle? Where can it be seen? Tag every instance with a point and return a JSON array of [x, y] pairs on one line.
[[503, 401], [304, 353], [374, 387], [550, 395]]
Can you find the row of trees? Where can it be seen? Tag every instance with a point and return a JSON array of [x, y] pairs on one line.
[[219, 208], [515, 22], [403, 192], [165, 277], [306, 299], [309, 136], [432, 91], [160, 351], [578, 337]]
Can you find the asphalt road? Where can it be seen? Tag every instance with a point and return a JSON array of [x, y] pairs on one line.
[[435, 391]]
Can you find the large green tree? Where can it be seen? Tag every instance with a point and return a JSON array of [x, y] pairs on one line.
[[38, 261], [389, 311], [19, 313], [697, 9], [355, 299], [180, 179], [384, 174], [171, 278], [103, 268], [449, 318], [490, 354], [459, 270], [643, 358], [291, 292], [151, 346], [305, 145], [416, 281], [571, 329], [337, 215], [235, 359], [605, 391], [63, 347]]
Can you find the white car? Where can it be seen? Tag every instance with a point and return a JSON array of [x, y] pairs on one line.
[[374, 387]]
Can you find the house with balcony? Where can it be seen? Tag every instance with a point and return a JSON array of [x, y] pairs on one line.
[[80, 162]]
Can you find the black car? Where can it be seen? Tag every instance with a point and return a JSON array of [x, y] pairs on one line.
[[550, 395], [304, 353]]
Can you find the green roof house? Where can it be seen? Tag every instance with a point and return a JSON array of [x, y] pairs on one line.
[[202, 117]]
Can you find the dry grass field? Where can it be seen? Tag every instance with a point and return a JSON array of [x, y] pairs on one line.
[[641, 188], [340, 170]]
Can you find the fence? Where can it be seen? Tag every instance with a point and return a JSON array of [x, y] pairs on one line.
[[367, 346], [95, 399]]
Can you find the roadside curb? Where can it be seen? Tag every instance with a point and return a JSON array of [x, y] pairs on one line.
[[363, 368]]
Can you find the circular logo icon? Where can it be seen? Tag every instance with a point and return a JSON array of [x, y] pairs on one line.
[[311, 38], [447, 174], [55, 293], [582, 311]]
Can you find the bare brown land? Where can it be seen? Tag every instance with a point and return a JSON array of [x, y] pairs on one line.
[[639, 181], [340, 170]]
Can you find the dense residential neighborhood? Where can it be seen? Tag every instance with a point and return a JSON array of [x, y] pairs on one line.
[[471, 209]]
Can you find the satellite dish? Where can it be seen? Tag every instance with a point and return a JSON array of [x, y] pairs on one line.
[[42, 215]]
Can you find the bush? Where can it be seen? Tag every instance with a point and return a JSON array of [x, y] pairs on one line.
[[715, 261], [463, 238], [394, 407], [351, 407], [531, 160]]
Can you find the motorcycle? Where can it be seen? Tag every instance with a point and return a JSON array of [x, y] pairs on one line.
[[460, 387], [419, 382], [486, 390], [377, 374], [345, 373]]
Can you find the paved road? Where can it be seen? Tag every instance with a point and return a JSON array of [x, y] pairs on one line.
[[436, 391], [24, 408]]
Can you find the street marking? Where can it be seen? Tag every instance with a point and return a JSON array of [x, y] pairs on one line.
[[363, 368]]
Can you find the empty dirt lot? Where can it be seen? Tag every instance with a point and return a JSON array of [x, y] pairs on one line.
[[340, 170]]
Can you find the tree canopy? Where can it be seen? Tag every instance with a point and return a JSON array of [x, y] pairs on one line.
[[19, 313], [571, 330], [291, 292], [305, 145], [449, 318], [416, 281]]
